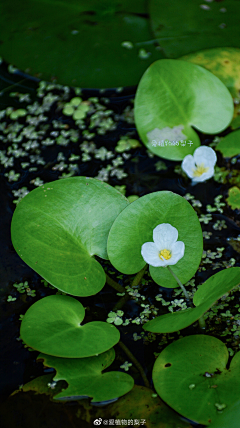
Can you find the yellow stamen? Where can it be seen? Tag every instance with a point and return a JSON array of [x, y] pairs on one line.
[[165, 255], [200, 169]]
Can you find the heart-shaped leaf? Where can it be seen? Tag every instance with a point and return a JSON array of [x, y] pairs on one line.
[[229, 146], [134, 226], [190, 375], [206, 295], [85, 378], [182, 28], [59, 227], [52, 325], [68, 40], [165, 111]]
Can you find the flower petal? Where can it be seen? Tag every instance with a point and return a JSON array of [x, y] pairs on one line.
[[164, 236], [204, 176], [205, 155], [188, 165], [150, 253], [177, 252]]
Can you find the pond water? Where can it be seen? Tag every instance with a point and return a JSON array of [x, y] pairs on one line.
[[45, 145]]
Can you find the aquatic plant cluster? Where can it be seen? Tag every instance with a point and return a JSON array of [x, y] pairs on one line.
[[67, 230], [101, 222]]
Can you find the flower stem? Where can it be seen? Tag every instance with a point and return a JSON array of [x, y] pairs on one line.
[[114, 284], [179, 283], [201, 323], [135, 362], [139, 276], [135, 282]]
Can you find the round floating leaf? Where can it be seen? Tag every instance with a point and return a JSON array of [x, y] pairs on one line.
[[229, 146], [85, 378], [52, 325], [234, 198], [190, 375], [68, 40], [182, 28], [206, 295], [223, 63], [134, 226], [165, 111], [229, 418], [59, 227]]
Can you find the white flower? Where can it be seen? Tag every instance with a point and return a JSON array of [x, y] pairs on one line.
[[165, 250], [200, 166]]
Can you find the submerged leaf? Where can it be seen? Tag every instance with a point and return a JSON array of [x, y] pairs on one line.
[[182, 27], [138, 404], [223, 63], [68, 41]]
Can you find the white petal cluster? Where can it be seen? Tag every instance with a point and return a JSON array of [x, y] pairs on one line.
[[165, 249], [200, 166]]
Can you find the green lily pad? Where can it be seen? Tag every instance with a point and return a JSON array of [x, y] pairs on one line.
[[165, 112], [85, 378], [229, 146], [52, 325], [229, 418], [59, 227], [234, 197], [182, 28], [134, 226], [68, 40], [223, 63], [207, 294], [190, 375]]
